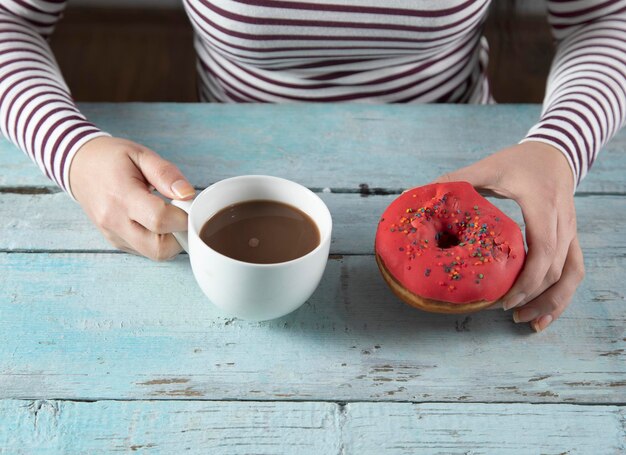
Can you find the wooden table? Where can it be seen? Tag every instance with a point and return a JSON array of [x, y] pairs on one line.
[[101, 350]]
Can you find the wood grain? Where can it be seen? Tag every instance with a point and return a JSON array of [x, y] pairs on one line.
[[92, 326], [165, 427], [79, 321], [332, 145], [162, 427], [47, 222], [406, 429]]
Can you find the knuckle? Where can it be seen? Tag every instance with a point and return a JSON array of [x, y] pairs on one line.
[[135, 151], [162, 250], [499, 175], [164, 169], [554, 274], [533, 281], [554, 303], [158, 218], [112, 240], [116, 243], [105, 215]]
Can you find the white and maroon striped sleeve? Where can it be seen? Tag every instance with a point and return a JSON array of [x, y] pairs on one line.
[[37, 112], [585, 102]]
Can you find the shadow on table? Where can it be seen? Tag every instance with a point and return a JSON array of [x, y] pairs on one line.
[[353, 300]]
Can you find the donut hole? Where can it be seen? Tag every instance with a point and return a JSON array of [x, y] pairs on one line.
[[447, 239]]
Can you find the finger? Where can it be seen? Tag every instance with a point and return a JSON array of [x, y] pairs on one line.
[[565, 234], [163, 175], [152, 212], [158, 247], [127, 249], [546, 308], [115, 240], [541, 236]]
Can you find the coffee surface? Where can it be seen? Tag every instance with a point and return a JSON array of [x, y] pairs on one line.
[[261, 232]]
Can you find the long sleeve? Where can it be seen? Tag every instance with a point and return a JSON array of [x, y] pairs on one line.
[[37, 112], [585, 102]]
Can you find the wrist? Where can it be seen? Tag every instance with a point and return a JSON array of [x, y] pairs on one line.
[[76, 158], [556, 160]]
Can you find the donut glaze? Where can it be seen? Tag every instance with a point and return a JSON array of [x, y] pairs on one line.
[[447, 243]]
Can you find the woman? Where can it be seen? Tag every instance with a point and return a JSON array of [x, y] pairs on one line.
[[334, 50]]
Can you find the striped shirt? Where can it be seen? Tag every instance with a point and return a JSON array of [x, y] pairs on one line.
[[279, 51]]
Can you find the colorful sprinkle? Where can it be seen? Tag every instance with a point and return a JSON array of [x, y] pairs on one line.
[[477, 244]]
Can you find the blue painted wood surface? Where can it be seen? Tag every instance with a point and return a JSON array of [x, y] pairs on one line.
[[115, 326], [307, 428], [335, 146], [600, 222], [161, 369]]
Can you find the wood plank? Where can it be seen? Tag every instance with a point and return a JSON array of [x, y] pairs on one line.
[[92, 326], [162, 427], [307, 428], [331, 145], [45, 222], [406, 428]]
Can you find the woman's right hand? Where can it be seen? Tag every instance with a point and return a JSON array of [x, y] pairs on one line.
[[112, 179]]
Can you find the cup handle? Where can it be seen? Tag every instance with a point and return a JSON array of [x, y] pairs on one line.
[[182, 237]]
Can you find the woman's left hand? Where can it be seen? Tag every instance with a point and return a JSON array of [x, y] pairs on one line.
[[538, 177]]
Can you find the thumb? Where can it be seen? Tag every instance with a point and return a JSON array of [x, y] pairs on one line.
[[475, 174], [164, 176]]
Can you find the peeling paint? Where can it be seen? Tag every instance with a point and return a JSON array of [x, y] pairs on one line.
[[165, 381]]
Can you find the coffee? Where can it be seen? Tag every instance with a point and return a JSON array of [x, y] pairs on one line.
[[261, 232]]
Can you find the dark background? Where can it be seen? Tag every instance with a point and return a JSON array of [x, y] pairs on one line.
[[121, 54]]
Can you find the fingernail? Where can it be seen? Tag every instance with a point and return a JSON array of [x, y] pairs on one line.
[[541, 323], [533, 324], [182, 189], [525, 314], [513, 301]]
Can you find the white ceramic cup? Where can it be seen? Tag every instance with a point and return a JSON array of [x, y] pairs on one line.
[[246, 290]]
